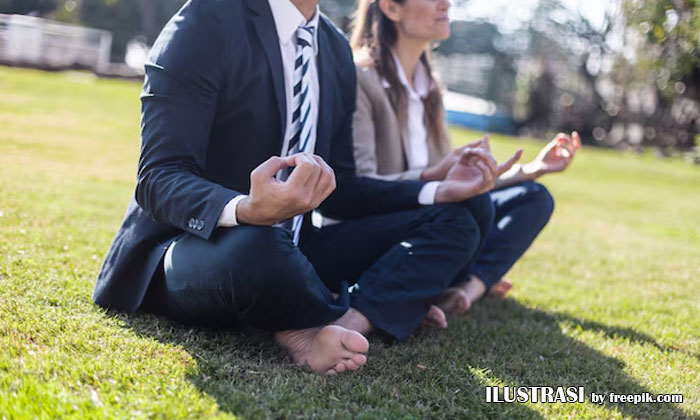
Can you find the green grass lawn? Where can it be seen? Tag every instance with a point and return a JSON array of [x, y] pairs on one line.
[[607, 298]]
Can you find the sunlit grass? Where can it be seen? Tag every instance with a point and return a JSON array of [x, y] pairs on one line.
[[607, 298]]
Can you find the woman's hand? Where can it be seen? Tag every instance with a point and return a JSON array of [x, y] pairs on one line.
[[439, 171], [474, 173], [554, 157]]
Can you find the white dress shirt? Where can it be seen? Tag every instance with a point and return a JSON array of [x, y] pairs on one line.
[[415, 134], [287, 20]]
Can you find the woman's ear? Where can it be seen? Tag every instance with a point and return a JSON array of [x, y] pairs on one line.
[[391, 9]]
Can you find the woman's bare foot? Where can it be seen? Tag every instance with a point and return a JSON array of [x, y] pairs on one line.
[[455, 300], [500, 289], [435, 318], [459, 299], [328, 350]]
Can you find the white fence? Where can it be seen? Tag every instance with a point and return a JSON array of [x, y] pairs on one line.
[[32, 41]]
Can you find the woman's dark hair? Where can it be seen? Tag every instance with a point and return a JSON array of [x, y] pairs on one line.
[[373, 36]]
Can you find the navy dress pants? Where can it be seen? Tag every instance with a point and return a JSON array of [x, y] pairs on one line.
[[521, 212], [252, 275]]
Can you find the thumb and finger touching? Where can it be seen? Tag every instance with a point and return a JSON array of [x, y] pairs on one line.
[[505, 166]]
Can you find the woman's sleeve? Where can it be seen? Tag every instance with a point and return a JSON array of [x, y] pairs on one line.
[[365, 143]]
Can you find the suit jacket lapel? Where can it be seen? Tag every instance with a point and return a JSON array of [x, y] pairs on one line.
[[325, 106], [267, 32]]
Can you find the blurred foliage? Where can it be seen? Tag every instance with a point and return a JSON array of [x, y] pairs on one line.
[[560, 71], [665, 38], [668, 41], [631, 81], [23, 7], [128, 19]]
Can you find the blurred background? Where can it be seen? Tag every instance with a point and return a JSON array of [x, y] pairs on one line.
[[624, 73]]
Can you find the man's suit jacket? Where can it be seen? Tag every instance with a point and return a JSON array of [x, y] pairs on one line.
[[213, 109]]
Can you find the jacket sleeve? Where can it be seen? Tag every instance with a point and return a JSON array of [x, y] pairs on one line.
[[184, 76], [358, 196], [365, 141]]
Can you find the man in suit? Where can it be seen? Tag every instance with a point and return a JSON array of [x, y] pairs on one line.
[[244, 103]]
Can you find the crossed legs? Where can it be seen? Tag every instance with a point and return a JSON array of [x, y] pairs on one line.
[[400, 263], [521, 212], [256, 276]]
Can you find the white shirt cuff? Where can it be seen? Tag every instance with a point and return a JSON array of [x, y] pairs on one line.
[[426, 196], [228, 215]]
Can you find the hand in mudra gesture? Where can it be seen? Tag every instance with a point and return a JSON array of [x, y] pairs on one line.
[[474, 173], [271, 201], [556, 156], [439, 171]]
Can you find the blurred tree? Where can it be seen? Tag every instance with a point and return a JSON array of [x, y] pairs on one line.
[[128, 19], [25, 7], [664, 34], [643, 92], [668, 41], [340, 11], [560, 87]]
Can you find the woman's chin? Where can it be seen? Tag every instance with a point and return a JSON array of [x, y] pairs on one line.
[[442, 35]]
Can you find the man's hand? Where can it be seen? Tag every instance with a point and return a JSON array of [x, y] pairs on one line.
[[271, 201], [474, 173], [554, 157]]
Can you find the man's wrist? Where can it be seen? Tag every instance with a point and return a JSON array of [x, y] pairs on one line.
[[243, 211], [428, 193], [229, 217], [441, 193]]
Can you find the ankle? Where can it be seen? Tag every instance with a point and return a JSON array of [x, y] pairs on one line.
[[354, 320], [475, 288]]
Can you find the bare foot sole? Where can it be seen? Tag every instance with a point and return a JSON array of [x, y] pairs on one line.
[[455, 300], [328, 350], [435, 318], [500, 289]]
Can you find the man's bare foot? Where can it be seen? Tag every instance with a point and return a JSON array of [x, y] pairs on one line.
[[435, 318], [500, 289], [328, 350], [459, 299]]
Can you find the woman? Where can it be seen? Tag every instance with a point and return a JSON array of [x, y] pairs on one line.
[[400, 133]]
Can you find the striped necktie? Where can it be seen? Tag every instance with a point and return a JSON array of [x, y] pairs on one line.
[[301, 104]]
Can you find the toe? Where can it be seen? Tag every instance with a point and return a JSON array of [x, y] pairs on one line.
[[359, 359], [350, 364], [331, 372], [354, 342], [437, 316], [340, 367], [464, 305]]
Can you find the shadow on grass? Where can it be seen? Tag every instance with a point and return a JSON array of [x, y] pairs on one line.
[[528, 347], [435, 374]]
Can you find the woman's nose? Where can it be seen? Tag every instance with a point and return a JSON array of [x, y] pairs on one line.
[[445, 5]]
